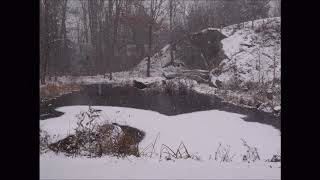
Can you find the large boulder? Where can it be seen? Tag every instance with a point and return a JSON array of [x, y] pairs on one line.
[[202, 49], [139, 85]]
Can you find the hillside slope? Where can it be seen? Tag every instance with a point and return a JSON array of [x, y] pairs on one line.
[[252, 69], [246, 69], [253, 54]]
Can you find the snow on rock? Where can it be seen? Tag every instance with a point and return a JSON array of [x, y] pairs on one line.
[[201, 132], [157, 63], [253, 54], [277, 108]]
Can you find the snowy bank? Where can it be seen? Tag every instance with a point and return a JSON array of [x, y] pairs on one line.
[[60, 167], [201, 132]]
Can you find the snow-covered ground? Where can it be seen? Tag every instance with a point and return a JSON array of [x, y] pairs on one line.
[[201, 132], [253, 53], [59, 167]]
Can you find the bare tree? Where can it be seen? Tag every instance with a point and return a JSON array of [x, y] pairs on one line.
[[44, 41], [277, 4], [171, 38], [84, 19], [93, 24], [50, 40], [156, 11], [256, 9], [105, 28], [63, 35]]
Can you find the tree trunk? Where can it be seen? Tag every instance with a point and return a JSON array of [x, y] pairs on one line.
[[274, 69], [114, 50], [84, 19], [115, 28], [204, 58], [149, 56], [171, 35], [92, 6], [64, 57], [259, 61], [109, 46], [46, 44]]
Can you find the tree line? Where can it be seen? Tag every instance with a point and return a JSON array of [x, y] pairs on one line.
[[89, 37]]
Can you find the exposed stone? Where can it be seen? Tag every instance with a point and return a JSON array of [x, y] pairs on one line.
[[139, 85]]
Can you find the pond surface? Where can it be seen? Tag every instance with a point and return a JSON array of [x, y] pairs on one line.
[[164, 103]]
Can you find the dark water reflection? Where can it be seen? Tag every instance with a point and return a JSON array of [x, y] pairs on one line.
[[164, 103]]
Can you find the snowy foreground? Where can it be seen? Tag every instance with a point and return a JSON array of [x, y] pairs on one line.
[[201, 132]]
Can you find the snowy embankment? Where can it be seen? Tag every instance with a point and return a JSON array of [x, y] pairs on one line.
[[201, 132], [253, 54], [60, 167], [251, 73]]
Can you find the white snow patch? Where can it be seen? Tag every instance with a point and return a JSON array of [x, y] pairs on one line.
[[201, 132], [60, 167]]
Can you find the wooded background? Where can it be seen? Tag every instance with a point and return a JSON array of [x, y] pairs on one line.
[[89, 37]]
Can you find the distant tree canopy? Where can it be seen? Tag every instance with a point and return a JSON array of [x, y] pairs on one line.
[[94, 36], [217, 13]]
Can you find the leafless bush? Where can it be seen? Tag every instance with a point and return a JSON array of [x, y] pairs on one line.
[[275, 158], [222, 154], [251, 154], [149, 150], [94, 140], [184, 88], [45, 140], [169, 87], [179, 87], [233, 84], [196, 157], [181, 153], [260, 28], [250, 85]]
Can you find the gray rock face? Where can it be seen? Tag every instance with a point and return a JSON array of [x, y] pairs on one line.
[[202, 49]]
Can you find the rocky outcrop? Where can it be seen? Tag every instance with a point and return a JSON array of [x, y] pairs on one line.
[[208, 42], [201, 49], [139, 85]]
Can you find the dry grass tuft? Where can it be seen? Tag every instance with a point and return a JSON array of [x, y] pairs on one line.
[[93, 139]]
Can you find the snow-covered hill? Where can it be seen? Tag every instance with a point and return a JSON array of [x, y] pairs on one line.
[[248, 62], [253, 54], [251, 73]]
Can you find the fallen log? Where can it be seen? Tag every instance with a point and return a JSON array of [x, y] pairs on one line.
[[197, 71], [195, 77], [171, 75]]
